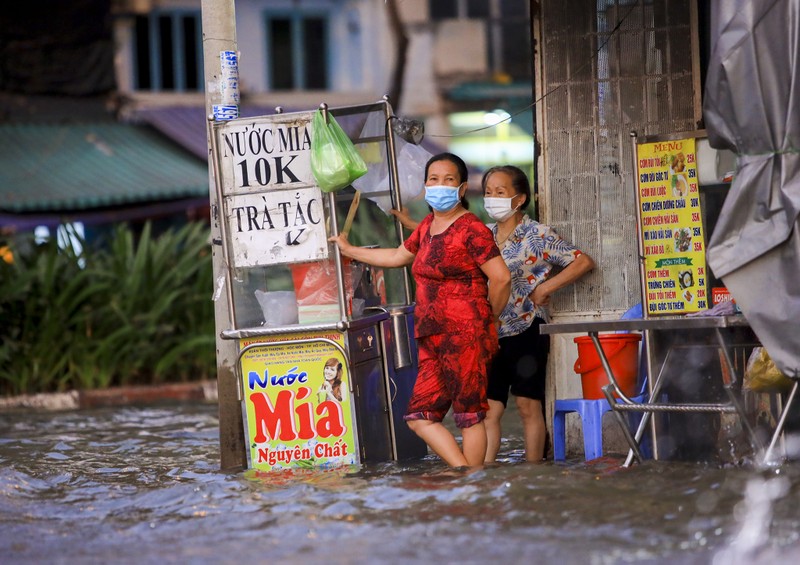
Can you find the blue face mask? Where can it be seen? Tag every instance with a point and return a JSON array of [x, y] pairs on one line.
[[442, 198]]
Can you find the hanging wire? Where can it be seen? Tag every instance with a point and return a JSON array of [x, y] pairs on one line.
[[546, 94]]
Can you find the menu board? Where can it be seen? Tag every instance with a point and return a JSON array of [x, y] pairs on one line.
[[671, 227]]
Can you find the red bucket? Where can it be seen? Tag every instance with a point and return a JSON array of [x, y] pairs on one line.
[[622, 352]]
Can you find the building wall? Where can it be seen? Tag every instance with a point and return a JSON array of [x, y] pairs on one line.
[[606, 69], [440, 55], [358, 61]]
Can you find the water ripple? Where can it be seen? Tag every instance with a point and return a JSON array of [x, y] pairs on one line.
[[143, 485]]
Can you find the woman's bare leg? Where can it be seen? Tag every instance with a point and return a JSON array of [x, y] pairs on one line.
[[473, 441], [441, 441], [494, 429], [533, 427]]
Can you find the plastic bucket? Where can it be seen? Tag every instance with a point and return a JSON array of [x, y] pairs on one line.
[[622, 352]]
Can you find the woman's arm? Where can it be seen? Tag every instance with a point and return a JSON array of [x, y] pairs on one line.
[[379, 257], [405, 218], [499, 277], [571, 273]]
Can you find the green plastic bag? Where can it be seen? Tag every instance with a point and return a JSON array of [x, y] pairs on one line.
[[335, 161]]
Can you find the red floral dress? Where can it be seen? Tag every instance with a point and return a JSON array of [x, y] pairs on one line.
[[456, 335]]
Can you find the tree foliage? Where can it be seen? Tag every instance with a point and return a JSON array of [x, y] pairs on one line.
[[137, 310]]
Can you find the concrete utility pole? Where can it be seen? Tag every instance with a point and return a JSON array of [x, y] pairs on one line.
[[219, 34]]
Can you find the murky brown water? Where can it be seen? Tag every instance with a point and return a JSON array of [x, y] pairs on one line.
[[142, 485]]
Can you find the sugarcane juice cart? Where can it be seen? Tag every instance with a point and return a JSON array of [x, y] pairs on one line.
[[327, 359]]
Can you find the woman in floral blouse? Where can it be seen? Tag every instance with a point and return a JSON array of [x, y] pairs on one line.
[[532, 251]]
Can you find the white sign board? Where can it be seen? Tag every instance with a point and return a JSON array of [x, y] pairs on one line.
[[272, 205], [283, 226]]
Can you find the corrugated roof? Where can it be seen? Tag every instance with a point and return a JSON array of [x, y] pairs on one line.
[[96, 165], [186, 125]]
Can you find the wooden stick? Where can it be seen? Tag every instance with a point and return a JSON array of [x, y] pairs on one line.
[[351, 213]]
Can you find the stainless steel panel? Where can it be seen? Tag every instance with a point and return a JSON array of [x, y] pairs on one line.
[[401, 376], [372, 411], [401, 341]]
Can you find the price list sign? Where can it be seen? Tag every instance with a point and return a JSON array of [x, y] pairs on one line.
[[272, 206], [672, 230]]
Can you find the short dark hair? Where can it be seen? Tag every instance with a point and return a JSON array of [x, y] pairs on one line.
[[461, 166], [519, 180]]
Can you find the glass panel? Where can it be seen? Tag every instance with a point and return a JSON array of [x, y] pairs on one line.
[[372, 225], [631, 54], [281, 294], [167, 47], [190, 50], [315, 41], [252, 282], [477, 8], [554, 50], [280, 54], [443, 9], [515, 46], [513, 8], [142, 54]]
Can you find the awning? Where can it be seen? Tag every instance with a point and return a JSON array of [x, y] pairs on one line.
[[90, 166], [752, 106]]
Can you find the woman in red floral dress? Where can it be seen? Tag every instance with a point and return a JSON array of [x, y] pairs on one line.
[[462, 286]]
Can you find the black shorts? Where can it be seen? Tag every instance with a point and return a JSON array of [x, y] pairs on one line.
[[520, 366]]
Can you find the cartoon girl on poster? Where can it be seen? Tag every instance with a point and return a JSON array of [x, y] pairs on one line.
[[331, 388]]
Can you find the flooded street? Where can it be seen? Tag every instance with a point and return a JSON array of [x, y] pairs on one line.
[[142, 485]]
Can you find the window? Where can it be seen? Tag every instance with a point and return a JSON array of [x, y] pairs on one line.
[[508, 29], [297, 51], [443, 9], [69, 237], [168, 51]]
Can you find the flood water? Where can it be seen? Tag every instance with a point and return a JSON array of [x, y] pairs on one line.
[[142, 485]]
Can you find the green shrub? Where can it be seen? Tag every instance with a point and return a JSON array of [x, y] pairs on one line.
[[136, 311]]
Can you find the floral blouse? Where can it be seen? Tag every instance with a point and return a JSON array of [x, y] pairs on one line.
[[530, 252]]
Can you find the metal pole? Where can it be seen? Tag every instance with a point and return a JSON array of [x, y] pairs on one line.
[[649, 337], [607, 368], [639, 241], [781, 423], [216, 172], [626, 432], [219, 34], [652, 397], [729, 383], [337, 254], [394, 186]]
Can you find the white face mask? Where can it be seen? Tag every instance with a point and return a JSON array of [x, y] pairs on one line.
[[499, 209]]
